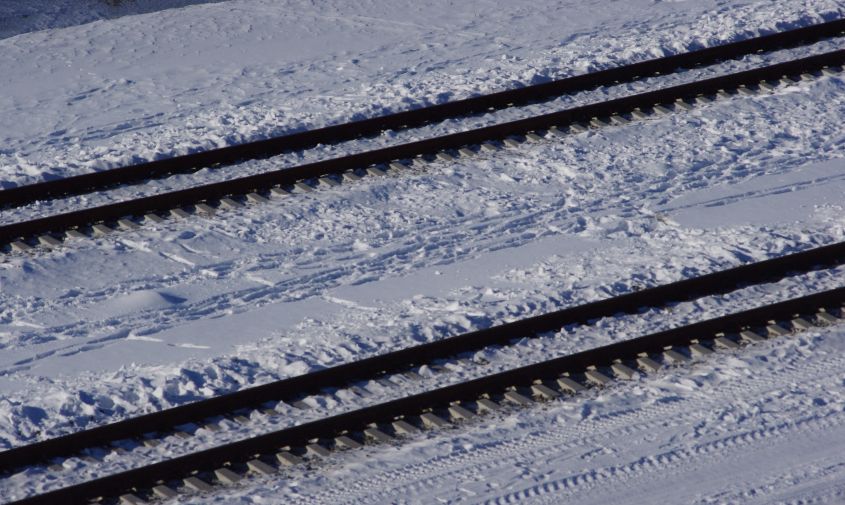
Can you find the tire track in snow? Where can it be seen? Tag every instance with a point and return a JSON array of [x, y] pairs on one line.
[[540, 445]]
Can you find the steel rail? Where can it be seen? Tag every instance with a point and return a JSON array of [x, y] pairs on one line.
[[286, 176], [217, 457], [297, 387], [84, 183]]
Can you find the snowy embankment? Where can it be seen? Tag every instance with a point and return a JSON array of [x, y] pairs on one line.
[[136, 322]]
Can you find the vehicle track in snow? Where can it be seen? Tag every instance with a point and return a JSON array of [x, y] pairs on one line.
[[572, 438]]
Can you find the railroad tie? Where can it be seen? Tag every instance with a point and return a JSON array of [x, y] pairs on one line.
[[662, 110], [544, 392], [49, 240], [800, 324], [511, 142], [432, 420], [699, 351], [269, 411], [725, 343], [555, 131], [683, 104], [533, 137], [596, 377], [346, 442], [204, 208], [375, 171], [350, 176], [444, 156], [359, 390], [647, 364], [327, 181], [459, 413], [279, 191], [127, 224], [164, 491], [403, 427], [74, 233], [831, 71], [622, 371], [766, 85], [131, 499], [256, 198], [569, 385], [598, 122], [287, 458], [20, 246], [578, 128], [377, 435], [315, 449], [101, 229], [750, 336], [196, 484], [487, 405], [618, 120], [413, 375], [227, 476], [516, 398], [178, 212], [745, 90], [827, 318], [775, 330], [212, 427], [152, 218], [674, 356], [300, 404], [304, 188], [260, 467], [490, 148]]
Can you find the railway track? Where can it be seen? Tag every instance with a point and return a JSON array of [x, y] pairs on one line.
[[229, 462], [99, 181], [51, 230]]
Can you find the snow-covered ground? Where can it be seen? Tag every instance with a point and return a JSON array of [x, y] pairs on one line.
[[104, 329]]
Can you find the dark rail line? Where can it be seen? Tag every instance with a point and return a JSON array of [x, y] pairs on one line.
[[407, 119], [210, 459], [287, 176], [297, 387]]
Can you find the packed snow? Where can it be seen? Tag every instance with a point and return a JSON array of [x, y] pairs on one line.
[[101, 330]]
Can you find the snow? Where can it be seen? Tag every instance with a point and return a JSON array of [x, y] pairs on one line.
[[736, 431], [105, 329]]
